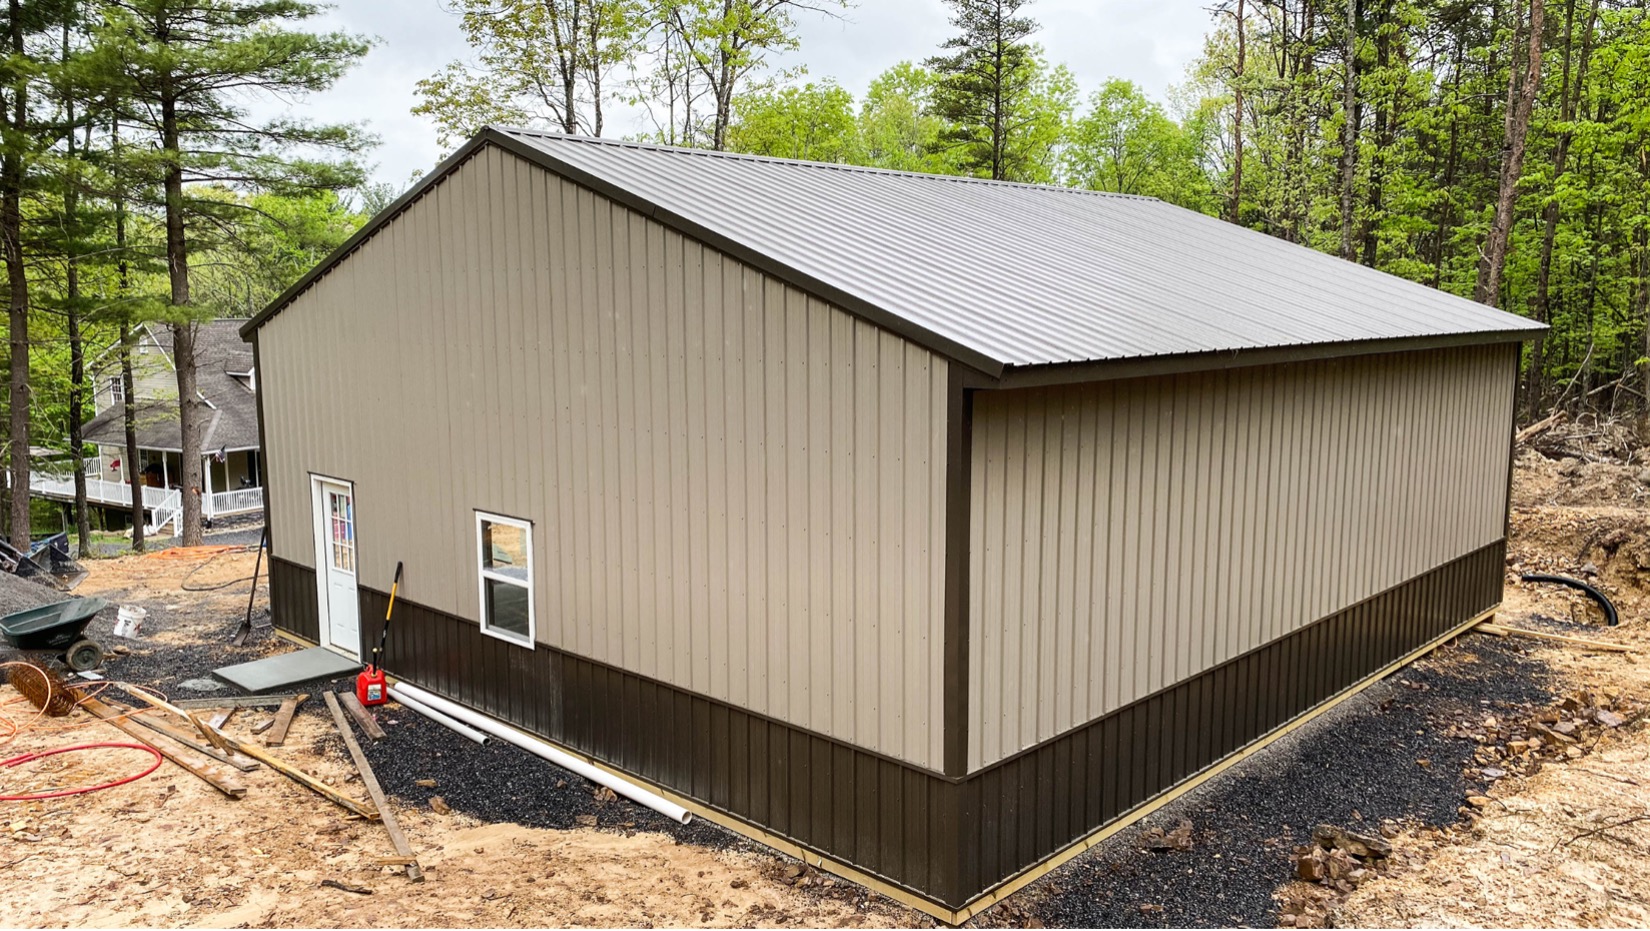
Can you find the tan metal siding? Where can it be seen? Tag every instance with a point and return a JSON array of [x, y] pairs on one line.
[[735, 488], [1130, 535]]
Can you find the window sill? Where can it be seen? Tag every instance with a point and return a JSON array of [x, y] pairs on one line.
[[523, 642]]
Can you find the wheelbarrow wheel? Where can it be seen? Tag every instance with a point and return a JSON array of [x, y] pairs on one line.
[[84, 655]]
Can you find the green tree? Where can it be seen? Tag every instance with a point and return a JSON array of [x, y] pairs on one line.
[[703, 54], [1127, 144], [1002, 107], [183, 71], [814, 122], [536, 63], [897, 126]]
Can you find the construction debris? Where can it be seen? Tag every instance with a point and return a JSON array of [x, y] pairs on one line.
[[386, 814], [283, 720], [1567, 731]]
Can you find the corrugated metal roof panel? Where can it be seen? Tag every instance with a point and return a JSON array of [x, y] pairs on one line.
[[1024, 274]]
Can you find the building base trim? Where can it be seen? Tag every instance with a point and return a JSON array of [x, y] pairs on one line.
[[946, 846]]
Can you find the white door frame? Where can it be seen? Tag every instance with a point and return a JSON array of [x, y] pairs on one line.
[[322, 540]]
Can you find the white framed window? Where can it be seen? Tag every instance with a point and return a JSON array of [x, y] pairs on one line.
[[117, 390], [505, 569]]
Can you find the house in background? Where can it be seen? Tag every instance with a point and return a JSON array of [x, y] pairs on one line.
[[231, 464], [928, 555]]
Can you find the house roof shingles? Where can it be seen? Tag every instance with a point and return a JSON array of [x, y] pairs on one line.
[[1002, 275], [230, 421]]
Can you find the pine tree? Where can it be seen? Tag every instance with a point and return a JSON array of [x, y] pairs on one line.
[[181, 70], [986, 80]]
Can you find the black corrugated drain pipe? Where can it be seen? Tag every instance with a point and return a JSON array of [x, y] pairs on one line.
[[1610, 616]]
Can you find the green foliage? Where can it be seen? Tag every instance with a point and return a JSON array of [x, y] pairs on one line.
[[541, 63], [814, 122], [1127, 144], [993, 92], [898, 128]]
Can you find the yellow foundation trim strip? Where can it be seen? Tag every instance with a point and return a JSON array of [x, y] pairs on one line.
[[1039, 870], [294, 638]]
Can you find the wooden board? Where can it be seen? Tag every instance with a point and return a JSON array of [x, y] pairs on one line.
[[362, 716], [1501, 630], [283, 720], [224, 784], [233, 701], [386, 814], [160, 727]]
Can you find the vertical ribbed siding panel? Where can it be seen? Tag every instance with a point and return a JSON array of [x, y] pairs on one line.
[[735, 489], [1220, 512]]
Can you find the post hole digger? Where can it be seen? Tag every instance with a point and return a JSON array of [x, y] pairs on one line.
[[370, 686]]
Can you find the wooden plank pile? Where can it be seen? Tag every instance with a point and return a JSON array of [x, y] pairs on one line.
[[191, 734]]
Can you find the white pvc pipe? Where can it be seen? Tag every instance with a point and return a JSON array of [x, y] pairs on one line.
[[538, 747], [464, 730]]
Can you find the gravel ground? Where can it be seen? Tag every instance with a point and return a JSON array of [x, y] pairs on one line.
[[1359, 757], [500, 782]]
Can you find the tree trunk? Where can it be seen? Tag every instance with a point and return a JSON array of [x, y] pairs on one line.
[[123, 284], [1349, 135], [11, 232], [77, 346], [134, 478], [1235, 203], [1521, 101], [183, 331], [1570, 91]]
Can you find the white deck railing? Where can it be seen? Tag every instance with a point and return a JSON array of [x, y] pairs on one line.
[[239, 501], [165, 504]]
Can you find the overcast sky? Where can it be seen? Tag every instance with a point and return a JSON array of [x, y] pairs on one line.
[[1149, 42]]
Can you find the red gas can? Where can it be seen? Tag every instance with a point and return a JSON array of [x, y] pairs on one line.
[[370, 686]]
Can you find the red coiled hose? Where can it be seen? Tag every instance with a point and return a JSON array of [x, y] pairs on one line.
[[30, 757]]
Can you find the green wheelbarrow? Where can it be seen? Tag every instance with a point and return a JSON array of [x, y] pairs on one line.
[[57, 628]]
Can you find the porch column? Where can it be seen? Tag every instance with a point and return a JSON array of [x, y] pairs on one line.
[[206, 473]]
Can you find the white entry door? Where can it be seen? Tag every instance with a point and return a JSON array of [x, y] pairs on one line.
[[336, 566]]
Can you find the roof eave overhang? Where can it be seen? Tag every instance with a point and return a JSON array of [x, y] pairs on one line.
[[1071, 373]]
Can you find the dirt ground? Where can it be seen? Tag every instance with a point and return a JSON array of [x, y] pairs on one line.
[[1559, 840], [169, 851]]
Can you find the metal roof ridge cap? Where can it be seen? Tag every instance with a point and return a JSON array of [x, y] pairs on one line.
[[824, 166], [849, 303]]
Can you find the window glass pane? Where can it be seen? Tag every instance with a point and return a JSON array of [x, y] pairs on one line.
[[506, 606], [504, 549]]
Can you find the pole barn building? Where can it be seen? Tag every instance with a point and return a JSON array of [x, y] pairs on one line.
[[925, 526]]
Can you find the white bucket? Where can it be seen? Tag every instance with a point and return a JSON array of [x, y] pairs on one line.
[[129, 621]]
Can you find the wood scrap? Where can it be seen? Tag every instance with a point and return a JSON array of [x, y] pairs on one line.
[[386, 814], [232, 701], [161, 727], [221, 718], [207, 730], [347, 887], [363, 717], [224, 784], [264, 725], [1503, 631], [283, 720], [1540, 427], [331, 793]]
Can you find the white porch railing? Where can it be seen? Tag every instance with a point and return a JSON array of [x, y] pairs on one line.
[[239, 501], [165, 504]]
